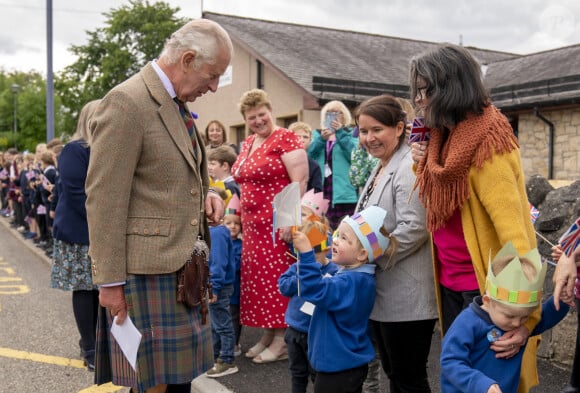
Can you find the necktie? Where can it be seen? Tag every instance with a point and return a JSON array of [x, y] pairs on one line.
[[188, 120]]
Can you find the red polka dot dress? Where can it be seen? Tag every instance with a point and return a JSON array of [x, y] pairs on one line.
[[261, 176]]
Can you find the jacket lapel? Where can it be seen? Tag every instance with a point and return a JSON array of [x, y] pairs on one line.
[[170, 116]]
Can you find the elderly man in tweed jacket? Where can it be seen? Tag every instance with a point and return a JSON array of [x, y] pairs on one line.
[[147, 202]]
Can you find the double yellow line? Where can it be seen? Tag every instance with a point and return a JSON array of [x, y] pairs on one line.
[[59, 361]]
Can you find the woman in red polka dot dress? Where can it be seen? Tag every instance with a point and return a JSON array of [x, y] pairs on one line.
[[271, 158]]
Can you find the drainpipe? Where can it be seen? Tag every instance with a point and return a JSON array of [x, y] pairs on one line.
[[550, 142]]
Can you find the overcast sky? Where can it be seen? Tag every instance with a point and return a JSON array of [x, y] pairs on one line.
[[517, 26]]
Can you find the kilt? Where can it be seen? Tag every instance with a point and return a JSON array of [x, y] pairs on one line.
[[175, 348]]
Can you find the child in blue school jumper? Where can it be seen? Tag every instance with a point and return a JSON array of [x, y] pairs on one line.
[[222, 269], [513, 291], [339, 347], [233, 221], [299, 312]]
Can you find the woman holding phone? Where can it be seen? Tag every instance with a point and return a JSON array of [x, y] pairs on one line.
[[331, 148]]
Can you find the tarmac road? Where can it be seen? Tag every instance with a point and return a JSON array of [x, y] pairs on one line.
[[39, 323]]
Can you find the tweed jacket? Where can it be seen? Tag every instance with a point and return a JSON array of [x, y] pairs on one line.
[[405, 289], [145, 185]]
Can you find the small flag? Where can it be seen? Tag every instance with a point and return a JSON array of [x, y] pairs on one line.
[[534, 213], [571, 238], [3, 174], [419, 131]]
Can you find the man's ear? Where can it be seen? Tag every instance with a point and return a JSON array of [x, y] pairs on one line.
[[363, 255], [187, 58]]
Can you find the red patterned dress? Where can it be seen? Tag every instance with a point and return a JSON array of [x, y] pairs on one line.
[[261, 176]]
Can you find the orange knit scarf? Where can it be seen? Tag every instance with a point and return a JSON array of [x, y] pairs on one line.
[[443, 176]]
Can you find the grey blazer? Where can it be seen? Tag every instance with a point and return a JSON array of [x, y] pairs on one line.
[[145, 186], [405, 290]]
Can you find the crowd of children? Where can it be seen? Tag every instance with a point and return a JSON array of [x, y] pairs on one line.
[[28, 193]]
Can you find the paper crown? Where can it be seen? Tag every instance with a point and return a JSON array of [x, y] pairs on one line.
[[234, 206], [511, 286], [315, 202], [220, 184], [368, 227]]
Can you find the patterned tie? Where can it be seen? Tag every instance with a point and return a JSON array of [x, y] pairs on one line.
[[188, 120]]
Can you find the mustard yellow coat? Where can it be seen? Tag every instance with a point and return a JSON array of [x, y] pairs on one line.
[[497, 211]]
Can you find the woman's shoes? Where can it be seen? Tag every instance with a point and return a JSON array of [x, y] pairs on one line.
[[255, 350], [90, 361], [267, 356]]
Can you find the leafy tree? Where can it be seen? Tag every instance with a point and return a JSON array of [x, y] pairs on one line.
[[31, 110], [133, 35]]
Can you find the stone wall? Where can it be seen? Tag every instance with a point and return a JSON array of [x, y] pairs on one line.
[[559, 208], [533, 136]]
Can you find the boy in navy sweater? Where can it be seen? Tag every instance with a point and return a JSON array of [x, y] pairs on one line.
[[513, 291], [339, 347], [222, 269], [299, 312]]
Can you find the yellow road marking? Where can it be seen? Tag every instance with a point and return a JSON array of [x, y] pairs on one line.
[[37, 357], [106, 388]]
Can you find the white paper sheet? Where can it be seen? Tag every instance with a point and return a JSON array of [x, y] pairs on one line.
[[128, 338]]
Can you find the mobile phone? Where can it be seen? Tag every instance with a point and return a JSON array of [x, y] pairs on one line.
[[419, 131], [330, 117]]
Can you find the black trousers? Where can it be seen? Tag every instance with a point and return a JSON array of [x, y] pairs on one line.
[[300, 370], [347, 381], [452, 303], [404, 350]]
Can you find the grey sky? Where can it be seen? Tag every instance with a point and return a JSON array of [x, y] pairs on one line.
[[517, 26]]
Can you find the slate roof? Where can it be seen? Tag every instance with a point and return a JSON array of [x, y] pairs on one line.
[[346, 65], [546, 78]]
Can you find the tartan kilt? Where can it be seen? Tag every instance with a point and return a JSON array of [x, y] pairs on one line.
[[175, 348]]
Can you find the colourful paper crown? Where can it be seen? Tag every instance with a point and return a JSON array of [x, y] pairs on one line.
[[367, 226], [220, 184], [315, 202], [511, 286], [234, 206]]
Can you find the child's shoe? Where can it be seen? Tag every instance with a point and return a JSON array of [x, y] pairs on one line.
[[221, 368], [237, 350]]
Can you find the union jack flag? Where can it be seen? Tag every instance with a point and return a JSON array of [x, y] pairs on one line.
[[419, 132], [3, 174], [571, 238], [534, 213]]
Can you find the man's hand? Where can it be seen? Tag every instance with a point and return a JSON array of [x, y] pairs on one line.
[[113, 298], [214, 207]]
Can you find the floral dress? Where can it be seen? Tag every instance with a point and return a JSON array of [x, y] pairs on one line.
[[261, 176]]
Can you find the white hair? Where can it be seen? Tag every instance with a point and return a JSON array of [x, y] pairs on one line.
[[203, 36]]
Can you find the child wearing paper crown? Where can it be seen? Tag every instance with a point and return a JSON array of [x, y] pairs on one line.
[[233, 221], [513, 291], [339, 347], [299, 312]]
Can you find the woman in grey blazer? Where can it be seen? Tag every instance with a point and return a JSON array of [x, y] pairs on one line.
[[405, 310]]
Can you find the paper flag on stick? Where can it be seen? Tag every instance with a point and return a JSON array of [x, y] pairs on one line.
[[571, 238], [419, 131], [534, 213], [286, 206]]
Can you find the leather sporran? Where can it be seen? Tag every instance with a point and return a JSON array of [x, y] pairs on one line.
[[193, 281]]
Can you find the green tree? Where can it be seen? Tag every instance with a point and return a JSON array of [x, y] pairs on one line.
[[133, 35], [31, 110]]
